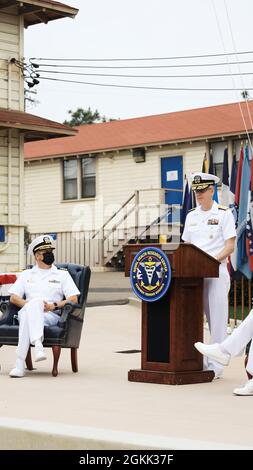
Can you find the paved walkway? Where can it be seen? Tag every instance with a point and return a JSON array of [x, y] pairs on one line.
[[99, 399], [108, 288]]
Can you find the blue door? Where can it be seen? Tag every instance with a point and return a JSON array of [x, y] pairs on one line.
[[172, 179]]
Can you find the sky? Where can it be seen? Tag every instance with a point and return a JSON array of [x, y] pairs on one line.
[[135, 29]]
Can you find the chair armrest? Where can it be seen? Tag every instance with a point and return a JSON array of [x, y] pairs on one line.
[[9, 310], [68, 308]]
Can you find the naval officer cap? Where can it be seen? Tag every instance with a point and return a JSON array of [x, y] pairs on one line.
[[41, 243], [203, 180]]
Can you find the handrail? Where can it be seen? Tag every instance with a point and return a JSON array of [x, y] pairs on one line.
[[113, 215], [120, 221], [158, 220], [136, 196], [126, 202]]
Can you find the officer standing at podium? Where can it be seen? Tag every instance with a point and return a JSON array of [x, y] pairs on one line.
[[211, 228]]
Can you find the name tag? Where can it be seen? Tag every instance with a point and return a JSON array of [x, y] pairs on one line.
[[213, 222], [54, 281]]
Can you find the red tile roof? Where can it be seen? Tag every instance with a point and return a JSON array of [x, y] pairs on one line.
[[34, 127], [193, 124]]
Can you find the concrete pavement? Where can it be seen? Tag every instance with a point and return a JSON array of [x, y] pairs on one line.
[[98, 408], [108, 288]]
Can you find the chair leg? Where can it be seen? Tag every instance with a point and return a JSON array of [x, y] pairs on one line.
[[56, 353], [245, 364], [74, 359], [28, 360]]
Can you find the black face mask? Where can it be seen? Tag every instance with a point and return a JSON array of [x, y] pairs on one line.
[[48, 258]]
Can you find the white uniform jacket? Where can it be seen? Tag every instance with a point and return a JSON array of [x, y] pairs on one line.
[[209, 230], [52, 284]]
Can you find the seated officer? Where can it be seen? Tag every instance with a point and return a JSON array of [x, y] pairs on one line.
[[233, 345], [211, 227], [39, 292]]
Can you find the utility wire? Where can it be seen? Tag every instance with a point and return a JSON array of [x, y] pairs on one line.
[[142, 58], [146, 76], [145, 66], [141, 87], [236, 55], [232, 78]]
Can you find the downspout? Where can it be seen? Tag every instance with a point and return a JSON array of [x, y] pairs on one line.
[[21, 202], [9, 151], [9, 199]]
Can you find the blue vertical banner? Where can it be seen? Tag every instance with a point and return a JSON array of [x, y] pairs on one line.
[[242, 257], [225, 180]]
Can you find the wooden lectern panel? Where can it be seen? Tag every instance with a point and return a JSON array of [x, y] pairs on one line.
[[170, 330], [172, 324], [186, 260]]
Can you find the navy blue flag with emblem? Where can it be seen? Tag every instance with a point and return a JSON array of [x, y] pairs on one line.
[[249, 226], [234, 211], [233, 257], [211, 167], [187, 204], [225, 180], [233, 177], [212, 172], [242, 257]]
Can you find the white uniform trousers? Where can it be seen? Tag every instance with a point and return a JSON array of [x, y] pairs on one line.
[[241, 336], [216, 309], [32, 320]]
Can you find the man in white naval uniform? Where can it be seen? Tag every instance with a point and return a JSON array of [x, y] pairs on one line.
[[233, 345], [39, 292], [211, 227]]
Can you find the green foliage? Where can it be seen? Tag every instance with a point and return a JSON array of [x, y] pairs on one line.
[[84, 116]]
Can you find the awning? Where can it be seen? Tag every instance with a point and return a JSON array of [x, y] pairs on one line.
[[33, 127], [39, 11]]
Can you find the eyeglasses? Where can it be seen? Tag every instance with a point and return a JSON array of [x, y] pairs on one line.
[[201, 191]]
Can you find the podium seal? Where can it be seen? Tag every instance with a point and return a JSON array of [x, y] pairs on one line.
[[150, 274]]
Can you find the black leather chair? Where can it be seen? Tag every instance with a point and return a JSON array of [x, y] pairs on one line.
[[66, 334], [246, 360]]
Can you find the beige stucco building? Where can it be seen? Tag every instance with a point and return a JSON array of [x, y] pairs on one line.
[[112, 178]]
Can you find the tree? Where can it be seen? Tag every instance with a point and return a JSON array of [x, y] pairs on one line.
[[84, 116]]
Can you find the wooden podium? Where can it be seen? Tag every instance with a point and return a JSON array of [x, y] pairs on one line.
[[172, 324]]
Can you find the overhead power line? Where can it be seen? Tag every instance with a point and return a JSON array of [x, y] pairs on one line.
[[142, 58], [143, 87], [146, 66], [147, 76]]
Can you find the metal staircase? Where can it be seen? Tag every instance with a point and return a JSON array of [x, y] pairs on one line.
[[143, 218]]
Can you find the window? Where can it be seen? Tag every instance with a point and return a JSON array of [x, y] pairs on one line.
[[88, 177], [70, 179]]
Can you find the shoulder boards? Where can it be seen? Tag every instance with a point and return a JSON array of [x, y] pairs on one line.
[[222, 208], [191, 210]]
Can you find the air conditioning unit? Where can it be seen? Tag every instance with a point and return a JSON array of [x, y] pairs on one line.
[[139, 155]]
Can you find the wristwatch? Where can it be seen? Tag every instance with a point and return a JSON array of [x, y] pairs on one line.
[[55, 305]]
